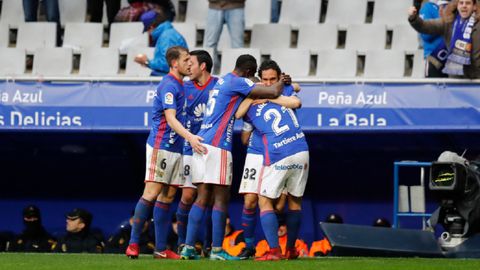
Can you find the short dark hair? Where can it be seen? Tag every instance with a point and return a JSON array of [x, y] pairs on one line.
[[269, 64], [173, 53], [246, 62], [203, 57]]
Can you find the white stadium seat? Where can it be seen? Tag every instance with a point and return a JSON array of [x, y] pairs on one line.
[[127, 35], [384, 64], [270, 36], [99, 62], [135, 69], [345, 12], [295, 62], [75, 33], [72, 11], [34, 35], [296, 12], [317, 37], [362, 37], [337, 64], [391, 12], [13, 61], [12, 13], [53, 62]]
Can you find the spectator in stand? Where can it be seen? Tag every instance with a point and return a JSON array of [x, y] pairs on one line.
[[461, 31], [165, 5], [322, 247], [30, 9], [118, 242], [231, 12], [79, 238], [164, 36], [262, 247], [95, 7], [34, 237], [434, 49], [275, 11], [132, 12]]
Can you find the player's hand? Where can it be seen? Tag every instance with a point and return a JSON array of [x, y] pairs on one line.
[[412, 11], [259, 101], [141, 59], [286, 79], [196, 143]]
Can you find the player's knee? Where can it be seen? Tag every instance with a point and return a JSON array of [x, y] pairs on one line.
[[250, 202]]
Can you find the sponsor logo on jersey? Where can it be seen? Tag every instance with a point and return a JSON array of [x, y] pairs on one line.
[[288, 167], [199, 110], [249, 82], [169, 98]]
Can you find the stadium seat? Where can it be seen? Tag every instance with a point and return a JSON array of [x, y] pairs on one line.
[[99, 62], [75, 33], [337, 64], [384, 64], [127, 35], [270, 36], [257, 12], [418, 69], [189, 32], [362, 37], [197, 11], [13, 61], [309, 37], [404, 38], [135, 69], [34, 35], [295, 62], [52, 62], [12, 13], [391, 12], [296, 12], [4, 35], [72, 11], [229, 57], [345, 12]]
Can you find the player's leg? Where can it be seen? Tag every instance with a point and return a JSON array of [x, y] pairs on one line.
[[249, 221], [162, 221], [207, 241], [269, 221], [183, 209]]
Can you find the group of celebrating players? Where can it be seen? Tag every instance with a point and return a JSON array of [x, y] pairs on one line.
[[190, 146]]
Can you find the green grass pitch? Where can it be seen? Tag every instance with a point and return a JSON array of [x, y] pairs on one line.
[[30, 261]]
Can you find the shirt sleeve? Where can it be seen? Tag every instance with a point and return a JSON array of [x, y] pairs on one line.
[[168, 96], [243, 86], [288, 90], [247, 127]]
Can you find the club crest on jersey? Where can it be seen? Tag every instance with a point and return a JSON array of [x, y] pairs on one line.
[[249, 82], [169, 98]]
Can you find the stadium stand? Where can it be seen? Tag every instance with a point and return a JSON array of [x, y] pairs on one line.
[[404, 38], [52, 62], [384, 64], [356, 33], [345, 12], [72, 11], [135, 69], [295, 62], [4, 35], [229, 57], [328, 32], [34, 35], [296, 12], [336, 64], [257, 12], [391, 12], [270, 36], [13, 61], [189, 32], [12, 13], [99, 62], [75, 33], [125, 35], [418, 69], [196, 13]]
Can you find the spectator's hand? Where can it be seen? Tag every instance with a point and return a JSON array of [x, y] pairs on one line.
[[412, 11], [196, 143], [286, 79], [141, 59], [259, 101]]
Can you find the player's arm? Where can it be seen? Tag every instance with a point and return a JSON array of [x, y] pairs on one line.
[[243, 108], [247, 130], [273, 91], [194, 140], [291, 102]]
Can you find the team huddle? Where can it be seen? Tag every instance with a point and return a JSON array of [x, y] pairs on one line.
[[190, 146]]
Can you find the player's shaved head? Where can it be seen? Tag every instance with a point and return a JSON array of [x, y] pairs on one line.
[[246, 65]]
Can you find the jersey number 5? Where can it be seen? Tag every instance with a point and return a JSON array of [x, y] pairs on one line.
[[211, 102]]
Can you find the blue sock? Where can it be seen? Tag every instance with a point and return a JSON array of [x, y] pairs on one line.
[[194, 221], [219, 218], [182, 221], [270, 227], [293, 226], [142, 212], [207, 241], [161, 218], [249, 221]]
